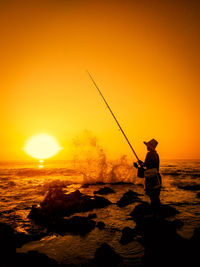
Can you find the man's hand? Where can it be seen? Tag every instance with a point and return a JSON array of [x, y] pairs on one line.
[[140, 163], [135, 165]]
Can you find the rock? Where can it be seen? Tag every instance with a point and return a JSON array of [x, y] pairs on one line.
[[32, 259], [7, 243], [177, 223], [22, 238], [162, 244], [57, 200], [194, 249], [106, 256], [128, 198], [104, 191], [101, 225], [76, 224], [85, 186], [143, 210], [140, 211], [92, 216], [58, 204], [128, 235], [167, 211], [55, 184], [198, 195], [38, 215], [10, 240], [196, 235], [100, 202], [121, 183], [113, 230], [192, 187]]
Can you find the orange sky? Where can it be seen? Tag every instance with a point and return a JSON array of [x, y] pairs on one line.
[[144, 55]]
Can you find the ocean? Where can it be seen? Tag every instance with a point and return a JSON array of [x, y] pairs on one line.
[[23, 184]]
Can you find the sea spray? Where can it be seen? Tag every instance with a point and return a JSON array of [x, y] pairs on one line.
[[122, 170], [91, 161]]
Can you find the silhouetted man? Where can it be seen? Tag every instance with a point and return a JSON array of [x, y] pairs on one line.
[[151, 174]]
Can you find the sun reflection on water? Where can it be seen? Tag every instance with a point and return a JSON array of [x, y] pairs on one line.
[[41, 164]]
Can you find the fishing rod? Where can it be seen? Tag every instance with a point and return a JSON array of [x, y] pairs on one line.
[[113, 116]]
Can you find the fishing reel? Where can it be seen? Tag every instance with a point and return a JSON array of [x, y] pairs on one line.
[[140, 169]]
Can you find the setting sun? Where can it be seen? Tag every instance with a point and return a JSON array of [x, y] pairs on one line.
[[42, 146]]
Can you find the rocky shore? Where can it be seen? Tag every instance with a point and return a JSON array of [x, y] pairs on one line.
[[163, 246]]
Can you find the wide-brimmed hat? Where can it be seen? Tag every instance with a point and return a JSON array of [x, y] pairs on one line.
[[152, 143]]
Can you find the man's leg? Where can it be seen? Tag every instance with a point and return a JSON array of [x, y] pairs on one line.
[[155, 201]]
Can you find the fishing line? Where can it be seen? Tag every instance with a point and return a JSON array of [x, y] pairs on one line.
[[113, 115]]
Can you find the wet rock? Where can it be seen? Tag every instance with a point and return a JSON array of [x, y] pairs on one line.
[[58, 204], [104, 191], [113, 230], [177, 223], [122, 183], [162, 244], [54, 184], [22, 238], [76, 224], [101, 225], [143, 210], [172, 173], [7, 243], [92, 216], [167, 211], [99, 183], [198, 195], [193, 187], [106, 256], [196, 235], [128, 235], [10, 240], [194, 251], [85, 186], [32, 259], [128, 198]]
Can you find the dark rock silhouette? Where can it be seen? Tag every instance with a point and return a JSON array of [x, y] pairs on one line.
[[195, 247], [167, 211], [128, 198], [22, 238], [192, 187], [10, 240], [163, 245], [106, 256], [101, 225], [76, 224], [104, 191], [85, 185], [128, 235], [32, 259], [7, 243], [140, 211], [58, 204], [92, 216], [196, 235], [121, 183], [144, 210]]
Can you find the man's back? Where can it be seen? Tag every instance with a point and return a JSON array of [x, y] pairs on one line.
[[152, 160]]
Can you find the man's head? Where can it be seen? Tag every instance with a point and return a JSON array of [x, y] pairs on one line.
[[151, 145]]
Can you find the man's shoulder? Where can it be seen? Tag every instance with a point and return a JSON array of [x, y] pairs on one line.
[[153, 153]]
